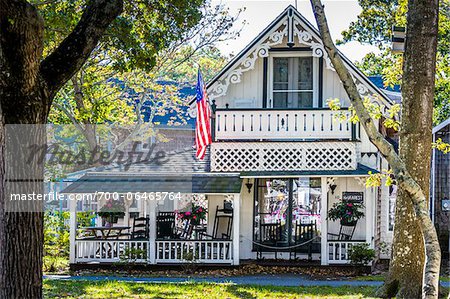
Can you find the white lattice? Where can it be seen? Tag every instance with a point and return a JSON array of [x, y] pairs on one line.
[[282, 156]]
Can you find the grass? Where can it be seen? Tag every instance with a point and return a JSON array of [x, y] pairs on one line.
[[381, 278], [114, 289]]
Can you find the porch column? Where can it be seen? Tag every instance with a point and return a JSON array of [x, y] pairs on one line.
[[324, 223], [369, 208], [152, 234], [72, 228], [236, 227]]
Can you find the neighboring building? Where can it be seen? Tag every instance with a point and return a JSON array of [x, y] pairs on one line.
[[440, 188], [278, 162]]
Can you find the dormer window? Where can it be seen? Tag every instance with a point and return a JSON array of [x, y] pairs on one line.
[[293, 82]]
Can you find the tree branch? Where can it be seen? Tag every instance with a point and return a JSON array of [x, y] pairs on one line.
[[404, 179], [20, 53], [70, 55]]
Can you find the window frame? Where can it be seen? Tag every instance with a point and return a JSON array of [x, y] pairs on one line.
[[315, 65]]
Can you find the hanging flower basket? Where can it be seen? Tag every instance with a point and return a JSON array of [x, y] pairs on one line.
[[195, 215], [112, 210], [346, 222], [347, 213]]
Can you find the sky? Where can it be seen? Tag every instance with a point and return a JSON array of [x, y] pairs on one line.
[[259, 14]]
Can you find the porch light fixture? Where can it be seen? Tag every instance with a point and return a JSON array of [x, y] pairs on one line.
[[333, 187], [249, 185]]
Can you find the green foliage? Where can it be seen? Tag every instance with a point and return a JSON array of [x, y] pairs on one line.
[[375, 179], [348, 212], [56, 238], [196, 213], [56, 234], [132, 254], [374, 23], [121, 289], [390, 116], [441, 146], [135, 37], [112, 208], [361, 254], [374, 26]]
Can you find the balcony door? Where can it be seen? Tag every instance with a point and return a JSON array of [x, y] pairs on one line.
[[293, 82]]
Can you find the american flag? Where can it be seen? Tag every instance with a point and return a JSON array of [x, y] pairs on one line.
[[202, 126]]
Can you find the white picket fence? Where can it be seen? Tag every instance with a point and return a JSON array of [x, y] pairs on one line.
[[202, 251], [338, 251]]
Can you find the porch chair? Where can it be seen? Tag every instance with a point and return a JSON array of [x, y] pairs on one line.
[[141, 228], [345, 233], [165, 225], [304, 232], [270, 236], [222, 216]]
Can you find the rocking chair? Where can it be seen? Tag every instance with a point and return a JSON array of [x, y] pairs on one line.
[[345, 233], [221, 216]]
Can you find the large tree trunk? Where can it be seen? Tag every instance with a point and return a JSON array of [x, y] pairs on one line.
[[408, 258], [405, 180], [27, 87]]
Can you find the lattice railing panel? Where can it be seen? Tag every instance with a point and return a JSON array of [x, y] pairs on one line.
[[282, 156]]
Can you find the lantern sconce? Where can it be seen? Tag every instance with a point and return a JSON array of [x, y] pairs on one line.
[[333, 187], [249, 185]]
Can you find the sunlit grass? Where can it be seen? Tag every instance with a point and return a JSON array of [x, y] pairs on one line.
[[115, 289]]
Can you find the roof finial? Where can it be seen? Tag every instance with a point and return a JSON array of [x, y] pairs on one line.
[[296, 5]]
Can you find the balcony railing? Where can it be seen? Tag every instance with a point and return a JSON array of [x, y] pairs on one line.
[[276, 124]]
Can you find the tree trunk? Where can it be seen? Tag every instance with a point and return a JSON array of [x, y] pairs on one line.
[[27, 87], [408, 258], [405, 180]]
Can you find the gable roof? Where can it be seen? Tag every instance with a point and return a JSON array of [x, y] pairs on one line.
[[275, 24]]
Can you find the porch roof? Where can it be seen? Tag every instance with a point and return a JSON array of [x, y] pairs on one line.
[[205, 183], [361, 170]]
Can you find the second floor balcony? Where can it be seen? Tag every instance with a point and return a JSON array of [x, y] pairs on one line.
[[283, 125]]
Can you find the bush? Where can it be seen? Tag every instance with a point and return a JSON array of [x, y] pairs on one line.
[[56, 238], [361, 254]]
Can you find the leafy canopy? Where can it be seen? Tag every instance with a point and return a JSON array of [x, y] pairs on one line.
[[143, 29], [374, 26]]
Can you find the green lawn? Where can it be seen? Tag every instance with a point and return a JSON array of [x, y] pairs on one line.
[[102, 289]]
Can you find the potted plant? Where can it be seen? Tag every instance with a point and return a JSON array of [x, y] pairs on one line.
[[195, 215], [348, 213], [112, 210]]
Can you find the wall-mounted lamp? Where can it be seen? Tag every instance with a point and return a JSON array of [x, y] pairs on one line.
[[333, 187], [249, 185]]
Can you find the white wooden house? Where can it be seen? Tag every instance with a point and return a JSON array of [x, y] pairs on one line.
[[279, 157]]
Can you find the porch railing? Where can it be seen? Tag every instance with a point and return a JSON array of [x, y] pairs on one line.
[[111, 251], [338, 251], [190, 251], [275, 124], [166, 251]]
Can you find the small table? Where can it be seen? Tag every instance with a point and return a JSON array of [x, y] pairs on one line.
[[105, 231]]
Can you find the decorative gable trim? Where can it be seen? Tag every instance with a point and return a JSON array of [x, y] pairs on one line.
[[287, 24]]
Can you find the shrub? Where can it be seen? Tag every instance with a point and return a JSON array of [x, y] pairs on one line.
[[361, 254]]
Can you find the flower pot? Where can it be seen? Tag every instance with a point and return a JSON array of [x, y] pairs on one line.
[[346, 222], [195, 221]]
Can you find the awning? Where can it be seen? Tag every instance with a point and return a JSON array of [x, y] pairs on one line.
[[361, 170], [204, 183]]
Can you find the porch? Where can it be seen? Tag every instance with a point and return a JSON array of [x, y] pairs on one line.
[[158, 234], [248, 234]]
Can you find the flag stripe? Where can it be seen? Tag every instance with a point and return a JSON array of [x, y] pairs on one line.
[[202, 126]]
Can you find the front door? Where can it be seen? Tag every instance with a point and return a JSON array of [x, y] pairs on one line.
[[287, 214]]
